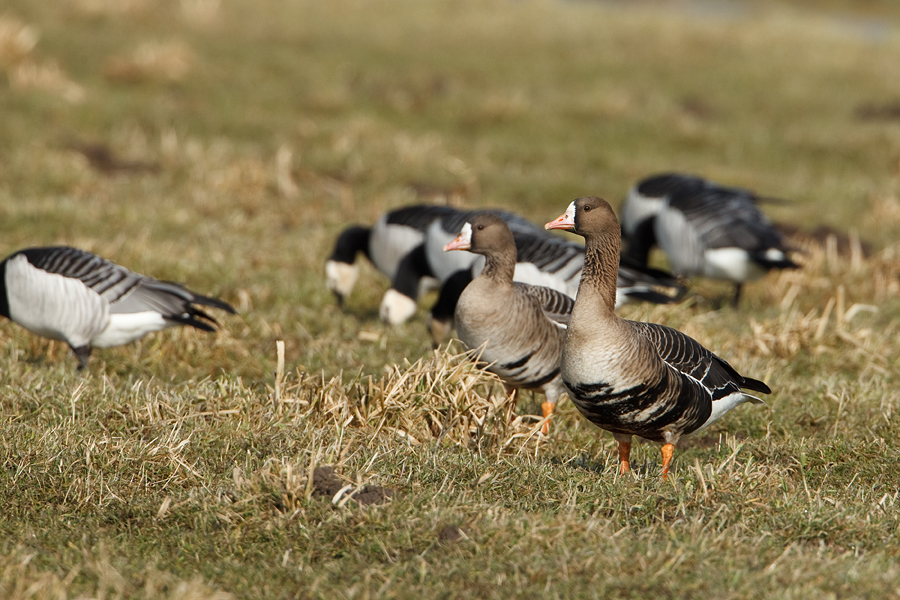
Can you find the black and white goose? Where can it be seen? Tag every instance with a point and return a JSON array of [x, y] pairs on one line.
[[541, 259], [634, 378], [71, 295], [516, 329], [429, 260], [704, 228], [389, 243]]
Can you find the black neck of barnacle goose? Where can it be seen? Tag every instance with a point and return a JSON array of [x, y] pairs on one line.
[[601, 268], [500, 265], [352, 240]]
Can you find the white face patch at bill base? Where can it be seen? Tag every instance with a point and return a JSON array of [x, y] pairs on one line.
[[463, 241], [466, 233], [565, 221]]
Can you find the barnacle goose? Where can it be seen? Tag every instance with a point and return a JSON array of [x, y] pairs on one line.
[[67, 294], [704, 228], [386, 244]]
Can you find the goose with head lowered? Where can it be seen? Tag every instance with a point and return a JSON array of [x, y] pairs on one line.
[[633, 378], [704, 228], [67, 294], [517, 329], [388, 244]]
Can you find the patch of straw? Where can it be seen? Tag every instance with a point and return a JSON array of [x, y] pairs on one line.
[[163, 61], [46, 76], [17, 40]]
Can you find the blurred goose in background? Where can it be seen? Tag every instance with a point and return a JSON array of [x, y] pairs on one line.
[[704, 228], [635, 378], [541, 259], [67, 294], [386, 244], [516, 329], [429, 260]]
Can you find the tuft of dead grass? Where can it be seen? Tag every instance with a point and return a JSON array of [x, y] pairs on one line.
[[439, 398], [167, 61], [207, 463], [17, 42]]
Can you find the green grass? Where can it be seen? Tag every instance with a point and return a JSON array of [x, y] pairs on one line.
[[173, 469]]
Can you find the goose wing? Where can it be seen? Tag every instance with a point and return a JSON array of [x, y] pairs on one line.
[[173, 301], [663, 185], [725, 218], [688, 356], [549, 253], [556, 306], [420, 216], [106, 278], [125, 291]]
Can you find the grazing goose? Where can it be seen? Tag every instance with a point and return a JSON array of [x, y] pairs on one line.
[[704, 228], [634, 378], [430, 259], [518, 329], [387, 244], [68, 294]]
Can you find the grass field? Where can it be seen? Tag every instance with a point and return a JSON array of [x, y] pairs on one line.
[[224, 144]]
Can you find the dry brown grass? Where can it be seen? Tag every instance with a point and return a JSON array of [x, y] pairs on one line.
[[185, 465], [163, 61]]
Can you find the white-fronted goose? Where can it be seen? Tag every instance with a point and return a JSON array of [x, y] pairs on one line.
[[71, 295], [387, 244], [704, 228], [517, 329], [635, 378], [541, 259]]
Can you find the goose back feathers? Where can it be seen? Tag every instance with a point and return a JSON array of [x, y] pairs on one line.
[[67, 294]]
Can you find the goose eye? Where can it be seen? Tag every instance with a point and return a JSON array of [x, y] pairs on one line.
[[480, 227], [587, 207]]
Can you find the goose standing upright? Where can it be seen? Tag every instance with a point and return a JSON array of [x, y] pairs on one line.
[[635, 378], [519, 329], [67, 294], [704, 228]]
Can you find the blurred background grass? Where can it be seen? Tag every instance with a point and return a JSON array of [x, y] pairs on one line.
[[225, 145]]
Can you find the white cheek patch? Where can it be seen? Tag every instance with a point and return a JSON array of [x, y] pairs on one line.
[[396, 308], [340, 277]]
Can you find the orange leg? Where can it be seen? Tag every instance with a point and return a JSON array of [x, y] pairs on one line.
[[624, 455], [547, 408], [667, 451]]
